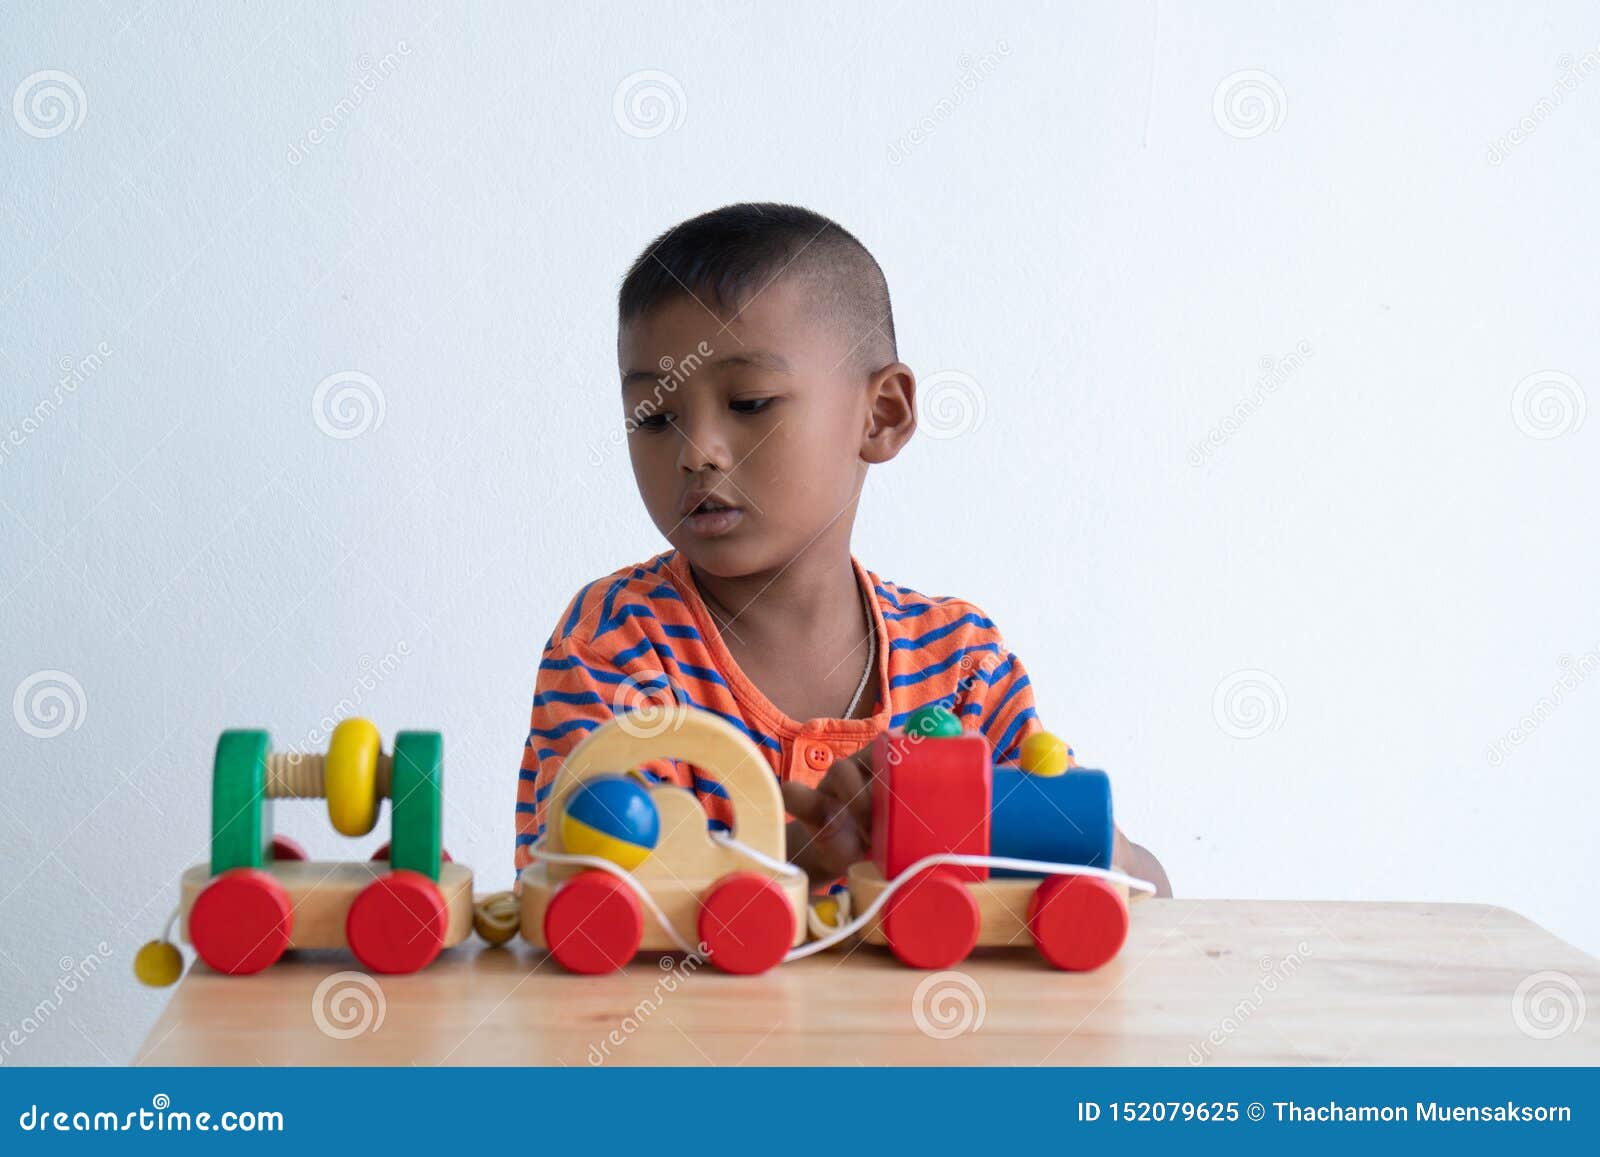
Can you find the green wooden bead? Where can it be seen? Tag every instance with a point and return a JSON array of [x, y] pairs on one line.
[[933, 722], [416, 792], [241, 813]]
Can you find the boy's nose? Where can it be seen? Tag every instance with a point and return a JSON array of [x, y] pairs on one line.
[[699, 446]]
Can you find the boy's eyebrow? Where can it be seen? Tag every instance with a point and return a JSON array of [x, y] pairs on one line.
[[755, 359]]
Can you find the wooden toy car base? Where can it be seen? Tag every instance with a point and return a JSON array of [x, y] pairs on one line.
[[991, 913], [321, 892], [686, 865]]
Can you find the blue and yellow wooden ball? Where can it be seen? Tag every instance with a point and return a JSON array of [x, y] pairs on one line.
[[613, 817]]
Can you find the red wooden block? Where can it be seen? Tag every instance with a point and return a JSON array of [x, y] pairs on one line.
[[746, 923], [241, 922], [930, 795], [397, 923], [1078, 922]]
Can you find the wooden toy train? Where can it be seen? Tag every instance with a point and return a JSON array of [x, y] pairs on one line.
[[964, 854], [259, 895]]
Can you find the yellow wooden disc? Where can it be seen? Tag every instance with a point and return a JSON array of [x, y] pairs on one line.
[[1044, 754], [350, 776], [158, 964]]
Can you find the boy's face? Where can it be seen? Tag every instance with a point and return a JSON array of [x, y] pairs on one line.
[[767, 415]]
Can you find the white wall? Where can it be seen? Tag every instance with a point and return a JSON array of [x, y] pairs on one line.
[[1083, 231]]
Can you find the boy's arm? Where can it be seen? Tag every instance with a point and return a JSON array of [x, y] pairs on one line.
[[1007, 716], [577, 690]]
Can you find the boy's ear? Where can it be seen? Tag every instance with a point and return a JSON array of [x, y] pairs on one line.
[[891, 412]]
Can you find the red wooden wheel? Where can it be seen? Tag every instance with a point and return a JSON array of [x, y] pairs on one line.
[[593, 924], [1078, 922], [397, 923], [283, 848], [383, 854], [932, 922], [746, 923], [241, 922]]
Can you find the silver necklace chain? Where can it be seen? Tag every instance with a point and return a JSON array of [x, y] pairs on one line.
[[872, 658], [872, 652]]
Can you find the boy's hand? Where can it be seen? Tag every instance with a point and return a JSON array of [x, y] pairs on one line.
[[832, 825], [1135, 860]]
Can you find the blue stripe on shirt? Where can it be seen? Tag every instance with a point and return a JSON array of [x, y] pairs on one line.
[[912, 678]]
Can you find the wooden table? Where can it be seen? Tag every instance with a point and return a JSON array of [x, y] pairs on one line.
[[1200, 981]]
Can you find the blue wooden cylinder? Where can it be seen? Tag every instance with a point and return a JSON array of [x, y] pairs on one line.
[[1064, 818]]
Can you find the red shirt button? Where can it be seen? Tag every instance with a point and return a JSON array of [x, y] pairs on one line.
[[818, 756]]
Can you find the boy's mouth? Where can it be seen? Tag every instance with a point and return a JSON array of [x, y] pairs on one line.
[[708, 514]]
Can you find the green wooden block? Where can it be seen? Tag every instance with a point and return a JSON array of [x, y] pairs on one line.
[[241, 813], [416, 797]]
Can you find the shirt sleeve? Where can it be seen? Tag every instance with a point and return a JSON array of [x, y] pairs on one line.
[[576, 691]]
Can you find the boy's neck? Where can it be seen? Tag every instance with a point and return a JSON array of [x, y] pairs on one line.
[[814, 594]]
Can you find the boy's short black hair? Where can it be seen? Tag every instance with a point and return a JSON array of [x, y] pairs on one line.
[[727, 256]]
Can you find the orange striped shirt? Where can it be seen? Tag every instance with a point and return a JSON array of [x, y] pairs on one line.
[[642, 634]]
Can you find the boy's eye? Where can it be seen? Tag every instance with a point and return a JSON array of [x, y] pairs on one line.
[[653, 422], [750, 405]]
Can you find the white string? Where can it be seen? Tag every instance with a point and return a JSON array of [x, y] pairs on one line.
[[1044, 867], [622, 874], [766, 861]]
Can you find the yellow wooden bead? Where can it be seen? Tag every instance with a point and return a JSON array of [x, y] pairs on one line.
[[350, 776], [1044, 754], [158, 964]]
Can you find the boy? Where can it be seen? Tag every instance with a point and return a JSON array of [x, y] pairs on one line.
[[760, 379]]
